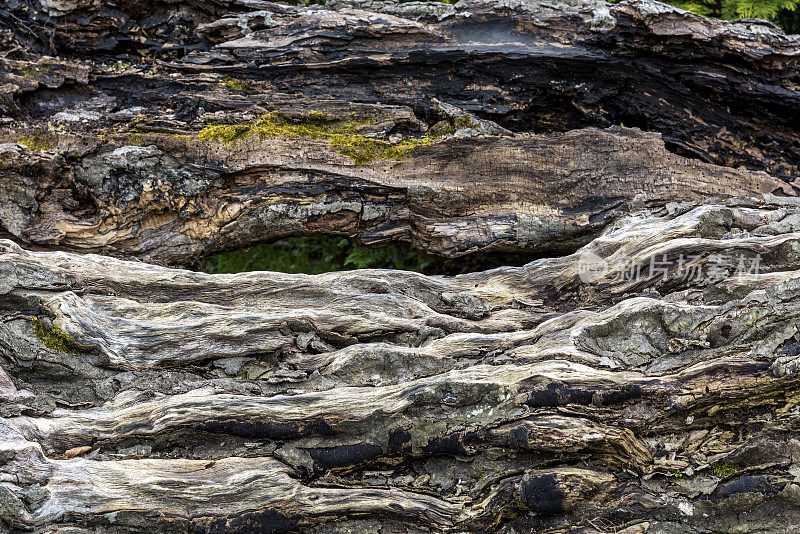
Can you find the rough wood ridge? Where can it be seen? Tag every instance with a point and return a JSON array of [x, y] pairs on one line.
[[643, 379], [511, 126], [520, 398]]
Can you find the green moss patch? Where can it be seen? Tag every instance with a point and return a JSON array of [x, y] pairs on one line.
[[234, 84], [340, 133], [314, 255], [724, 470], [54, 338], [37, 141], [35, 71]]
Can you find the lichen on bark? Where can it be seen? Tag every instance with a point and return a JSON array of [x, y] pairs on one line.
[[341, 134]]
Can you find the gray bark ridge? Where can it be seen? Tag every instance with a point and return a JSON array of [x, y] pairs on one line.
[[175, 201], [484, 126], [564, 394]]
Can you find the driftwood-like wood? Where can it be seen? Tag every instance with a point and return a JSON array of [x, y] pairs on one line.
[[642, 379], [549, 397], [458, 196], [516, 107]]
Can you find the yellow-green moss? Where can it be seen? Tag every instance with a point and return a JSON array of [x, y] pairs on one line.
[[54, 338], [34, 71], [136, 139], [37, 141], [119, 66], [225, 133], [341, 134], [364, 149], [235, 84], [723, 470], [464, 121]]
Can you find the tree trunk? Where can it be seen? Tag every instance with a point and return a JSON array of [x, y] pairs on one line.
[[643, 380], [459, 129], [537, 398]]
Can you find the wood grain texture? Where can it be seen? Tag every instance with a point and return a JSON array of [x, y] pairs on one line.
[[505, 118], [520, 398], [643, 378]]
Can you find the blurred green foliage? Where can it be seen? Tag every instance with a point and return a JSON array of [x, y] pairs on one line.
[[321, 254], [314, 255], [736, 9], [784, 13], [789, 21]]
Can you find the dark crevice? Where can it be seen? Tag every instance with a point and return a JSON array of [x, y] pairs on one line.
[[684, 150]]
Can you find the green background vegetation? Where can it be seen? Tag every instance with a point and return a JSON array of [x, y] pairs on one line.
[[314, 255], [321, 254], [784, 13]]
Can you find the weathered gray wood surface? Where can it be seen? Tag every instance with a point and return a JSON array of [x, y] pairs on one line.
[[520, 398]]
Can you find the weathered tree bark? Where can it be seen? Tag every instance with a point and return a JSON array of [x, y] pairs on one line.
[[455, 197], [644, 381], [518, 399], [460, 128]]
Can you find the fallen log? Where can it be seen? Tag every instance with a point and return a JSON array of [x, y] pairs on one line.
[[586, 391], [466, 128], [644, 379]]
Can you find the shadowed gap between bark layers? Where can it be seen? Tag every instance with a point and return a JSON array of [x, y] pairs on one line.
[[323, 253]]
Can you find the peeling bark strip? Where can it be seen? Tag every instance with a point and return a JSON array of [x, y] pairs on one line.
[[543, 398], [528, 192], [480, 126]]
